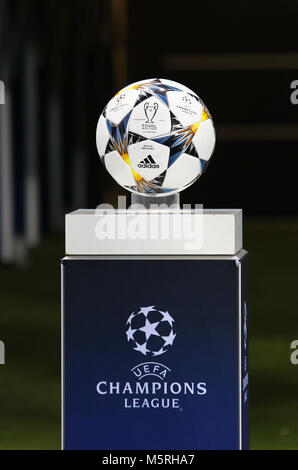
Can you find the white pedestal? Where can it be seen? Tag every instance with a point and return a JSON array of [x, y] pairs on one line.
[[187, 232]]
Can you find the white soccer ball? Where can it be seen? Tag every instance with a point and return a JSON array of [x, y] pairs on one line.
[[155, 137]]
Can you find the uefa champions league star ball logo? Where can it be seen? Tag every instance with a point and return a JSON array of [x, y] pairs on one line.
[[150, 331], [121, 98]]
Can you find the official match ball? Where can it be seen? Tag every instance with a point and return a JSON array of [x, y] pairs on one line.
[[155, 137], [150, 331]]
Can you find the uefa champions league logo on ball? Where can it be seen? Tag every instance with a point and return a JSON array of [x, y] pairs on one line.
[[151, 331]]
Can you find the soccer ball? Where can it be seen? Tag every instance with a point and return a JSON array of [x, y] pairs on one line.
[[150, 331], [155, 137]]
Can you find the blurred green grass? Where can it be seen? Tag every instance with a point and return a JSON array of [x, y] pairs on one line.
[[30, 328], [273, 307]]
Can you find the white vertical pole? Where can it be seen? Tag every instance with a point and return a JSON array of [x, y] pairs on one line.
[[56, 213], [31, 183], [79, 167], [7, 237]]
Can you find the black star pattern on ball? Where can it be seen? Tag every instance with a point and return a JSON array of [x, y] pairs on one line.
[[150, 331]]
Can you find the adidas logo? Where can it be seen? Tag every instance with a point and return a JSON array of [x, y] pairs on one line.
[[148, 162]]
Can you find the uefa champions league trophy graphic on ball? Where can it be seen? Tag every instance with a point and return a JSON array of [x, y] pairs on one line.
[[155, 138]]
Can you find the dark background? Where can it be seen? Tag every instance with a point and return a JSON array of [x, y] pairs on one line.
[[61, 61]]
